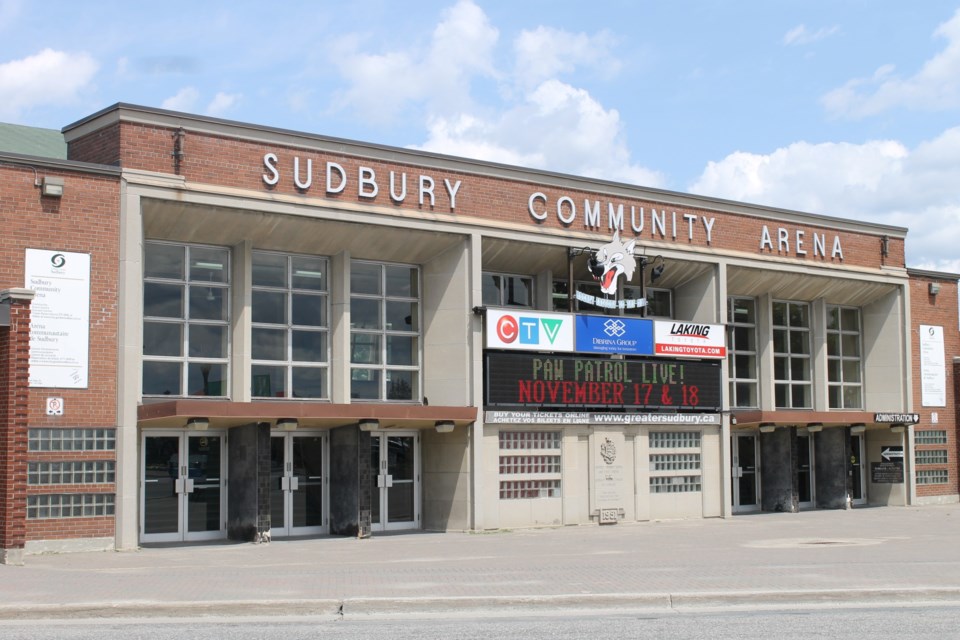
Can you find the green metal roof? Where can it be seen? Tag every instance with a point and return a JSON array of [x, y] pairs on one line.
[[32, 141]]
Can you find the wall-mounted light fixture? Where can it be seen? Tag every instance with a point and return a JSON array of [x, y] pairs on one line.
[[934, 288], [368, 424], [287, 424], [858, 428], [813, 427], [198, 423], [768, 427], [444, 426], [52, 186], [898, 428]]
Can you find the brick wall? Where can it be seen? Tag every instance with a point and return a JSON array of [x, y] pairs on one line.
[[939, 310], [212, 159], [14, 361], [84, 220]]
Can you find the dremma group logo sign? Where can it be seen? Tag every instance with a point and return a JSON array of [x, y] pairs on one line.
[[529, 331]]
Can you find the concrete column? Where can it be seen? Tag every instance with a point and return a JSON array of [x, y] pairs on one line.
[[351, 481], [248, 489], [831, 453], [14, 398]]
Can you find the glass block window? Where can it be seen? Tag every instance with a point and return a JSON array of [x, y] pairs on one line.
[[384, 332], [791, 355], [186, 320], [674, 484], [844, 366], [742, 352], [932, 456], [75, 472], [675, 462], [290, 331], [933, 476], [526, 471], [930, 437], [70, 505], [677, 454], [504, 290], [674, 439], [72, 440]]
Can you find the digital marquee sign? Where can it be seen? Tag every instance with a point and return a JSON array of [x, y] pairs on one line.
[[531, 380]]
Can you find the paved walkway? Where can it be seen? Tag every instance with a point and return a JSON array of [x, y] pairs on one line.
[[864, 556]]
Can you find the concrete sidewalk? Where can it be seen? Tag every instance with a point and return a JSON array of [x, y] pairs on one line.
[[865, 556]]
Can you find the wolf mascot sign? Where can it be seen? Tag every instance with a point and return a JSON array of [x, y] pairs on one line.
[[611, 261]]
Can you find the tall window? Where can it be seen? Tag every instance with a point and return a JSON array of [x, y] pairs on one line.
[[844, 370], [384, 331], [502, 290], [186, 320], [742, 354], [290, 327], [791, 355]]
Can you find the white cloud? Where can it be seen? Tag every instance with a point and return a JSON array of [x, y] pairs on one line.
[[184, 100], [545, 53], [800, 36], [221, 103], [47, 78], [879, 181], [382, 85], [935, 86], [558, 128]]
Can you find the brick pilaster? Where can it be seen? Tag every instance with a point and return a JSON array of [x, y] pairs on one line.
[[14, 397]]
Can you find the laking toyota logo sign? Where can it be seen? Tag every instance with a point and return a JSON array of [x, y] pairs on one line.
[[529, 331], [689, 339]]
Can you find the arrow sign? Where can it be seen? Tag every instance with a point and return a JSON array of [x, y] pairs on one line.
[[891, 453]]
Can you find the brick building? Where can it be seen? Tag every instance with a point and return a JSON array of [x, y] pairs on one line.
[[236, 330]]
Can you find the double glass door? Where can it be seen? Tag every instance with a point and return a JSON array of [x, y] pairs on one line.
[[298, 484], [182, 487], [396, 481], [745, 454]]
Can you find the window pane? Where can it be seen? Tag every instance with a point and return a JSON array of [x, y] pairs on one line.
[[780, 341], [208, 303], [851, 371], [267, 382], [519, 291], [162, 300], [658, 303], [833, 371], [309, 310], [309, 273], [401, 316], [833, 344], [208, 341], [308, 382], [161, 378], [268, 344], [401, 350], [269, 270], [746, 394], [779, 314], [851, 346], [206, 379], [801, 397], [209, 264], [365, 314], [799, 316], [851, 398], [799, 369], [163, 261], [269, 307], [833, 318], [309, 346], [745, 366], [365, 384], [491, 289], [744, 311], [365, 278], [364, 348], [780, 368], [162, 339], [743, 338], [401, 281], [834, 394], [782, 391], [400, 385], [850, 319]]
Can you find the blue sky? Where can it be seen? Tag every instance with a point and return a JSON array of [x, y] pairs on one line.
[[846, 108]]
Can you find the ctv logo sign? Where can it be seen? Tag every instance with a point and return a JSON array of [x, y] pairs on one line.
[[529, 331]]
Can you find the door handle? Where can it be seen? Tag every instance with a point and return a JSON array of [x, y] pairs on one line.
[[388, 481], [284, 483], [178, 485], [295, 483], [189, 485]]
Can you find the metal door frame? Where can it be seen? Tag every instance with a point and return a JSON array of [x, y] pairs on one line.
[[803, 433], [383, 493], [286, 529], [182, 534], [736, 437]]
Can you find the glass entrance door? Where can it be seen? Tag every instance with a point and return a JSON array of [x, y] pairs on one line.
[[857, 493], [182, 487], [396, 481], [805, 470], [298, 484], [745, 455]]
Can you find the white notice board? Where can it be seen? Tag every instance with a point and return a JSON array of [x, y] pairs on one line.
[[933, 372], [59, 317]]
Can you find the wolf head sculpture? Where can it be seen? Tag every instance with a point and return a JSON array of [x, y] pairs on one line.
[[611, 260]]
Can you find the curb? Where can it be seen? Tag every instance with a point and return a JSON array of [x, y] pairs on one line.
[[486, 605]]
